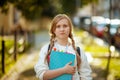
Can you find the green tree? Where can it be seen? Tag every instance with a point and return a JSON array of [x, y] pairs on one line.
[[69, 6], [31, 9]]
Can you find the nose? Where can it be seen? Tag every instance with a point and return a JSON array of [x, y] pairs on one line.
[[61, 28]]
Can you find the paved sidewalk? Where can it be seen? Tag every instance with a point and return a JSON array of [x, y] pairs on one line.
[[23, 69]]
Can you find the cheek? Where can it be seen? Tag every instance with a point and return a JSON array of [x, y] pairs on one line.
[[68, 31], [55, 32]]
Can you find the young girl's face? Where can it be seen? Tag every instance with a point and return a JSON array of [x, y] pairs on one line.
[[62, 29]]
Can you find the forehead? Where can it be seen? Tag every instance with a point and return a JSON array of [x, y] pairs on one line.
[[62, 21]]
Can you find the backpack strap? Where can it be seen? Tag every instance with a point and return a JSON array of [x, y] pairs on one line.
[[78, 50], [48, 57], [48, 47]]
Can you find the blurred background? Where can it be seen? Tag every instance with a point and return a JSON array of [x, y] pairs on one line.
[[24, 26]]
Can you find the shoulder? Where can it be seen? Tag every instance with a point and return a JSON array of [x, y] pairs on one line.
[[83, 55], [45, 46], [81, 51]]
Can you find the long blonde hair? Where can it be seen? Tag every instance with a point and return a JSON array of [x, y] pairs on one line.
[[56, 19]]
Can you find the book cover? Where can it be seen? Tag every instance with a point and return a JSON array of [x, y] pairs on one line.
[[60, 59]]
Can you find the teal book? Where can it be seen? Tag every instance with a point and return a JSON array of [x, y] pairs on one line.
[[60, 59]]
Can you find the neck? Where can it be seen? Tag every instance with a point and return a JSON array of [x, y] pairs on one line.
[[62, 42]]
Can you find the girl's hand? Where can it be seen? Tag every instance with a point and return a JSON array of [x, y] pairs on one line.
[[68, 69]]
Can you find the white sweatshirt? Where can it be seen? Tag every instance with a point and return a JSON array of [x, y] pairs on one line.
[[85, 70]]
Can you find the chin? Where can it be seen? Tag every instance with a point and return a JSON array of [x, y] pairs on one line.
[[63, 37]]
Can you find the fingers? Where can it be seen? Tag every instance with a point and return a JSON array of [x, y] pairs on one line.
[[73, 70], [74, 67], [70, 69], [69, 63]]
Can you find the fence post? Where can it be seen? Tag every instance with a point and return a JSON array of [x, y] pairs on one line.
[[15, 45], [3, 51]]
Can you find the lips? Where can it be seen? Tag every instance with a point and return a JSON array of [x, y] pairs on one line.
[[62, 33]]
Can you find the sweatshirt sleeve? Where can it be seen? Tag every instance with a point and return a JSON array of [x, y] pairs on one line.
[[41, 67], [85, 70]]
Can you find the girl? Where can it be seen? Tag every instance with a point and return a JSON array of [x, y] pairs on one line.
[[62, 40]]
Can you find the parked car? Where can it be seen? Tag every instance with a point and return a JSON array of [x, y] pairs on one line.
[[112, 32], [85, 22], [98, 24]]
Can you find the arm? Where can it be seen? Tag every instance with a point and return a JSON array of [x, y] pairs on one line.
[[54, 73], [85, 70], [42, 69]]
